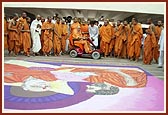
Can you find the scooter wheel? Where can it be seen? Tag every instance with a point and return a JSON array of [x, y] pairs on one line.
[[73, 53], [96, 55]]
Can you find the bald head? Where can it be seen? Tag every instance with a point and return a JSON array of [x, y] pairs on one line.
[[159, 23], [75, 19], [63, 21], [125, 23], [15, 16], [24, 15], [105, 22], [118, 22], [28, 19], [49, 18], [134, 21], [42, 19], [38, 17], [108, 21]]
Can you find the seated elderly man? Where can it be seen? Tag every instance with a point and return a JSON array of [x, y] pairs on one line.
[[81, 41]]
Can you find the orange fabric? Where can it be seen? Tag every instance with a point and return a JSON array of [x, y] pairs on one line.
[[48, 37], [149, 44], [114, 78], [14, 42], [74, 28], [5, 34], [85, 30], [22, 23], [57, 40], [129, 39], [112, 42], [64, 36], [26, 39], [156, 49], [158, 32], [135, 46], [75, 34], [125, 38], [42, 36], [122, 39], [19, 74], [117, 35], [106, 35]]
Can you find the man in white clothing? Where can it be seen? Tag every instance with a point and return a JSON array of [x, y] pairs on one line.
[[161, 49], [94, 32], [35, 34]]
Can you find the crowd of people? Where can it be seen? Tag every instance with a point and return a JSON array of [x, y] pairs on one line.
[[56, 36]]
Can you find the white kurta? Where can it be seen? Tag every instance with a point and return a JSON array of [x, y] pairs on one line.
[[161, 41], [94, 32], [161, 49], [35, 34]]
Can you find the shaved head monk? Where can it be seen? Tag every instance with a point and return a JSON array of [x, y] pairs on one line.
[[105, 33], [85, 29], [117, 38], [57, 37], [48, 28], [80, 41], [26, 40], [150, 44], [135, 46], [14, 42], [73, 29], [126, 29], [23, 22]]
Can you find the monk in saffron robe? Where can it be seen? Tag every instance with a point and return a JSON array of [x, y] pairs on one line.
[[64, 36], [26, 40], [117, 38], [48, 28], [121, 41], [81, 41], [149, 44], [14, 42], [42, 35], [112, 42], [100, 40], [84, 29], [5, 33], [126, 32], [135, 46], [158, 30], [156, 48], [23, 22], [57, 37], [129, 40], [105, 38], [73, 29]]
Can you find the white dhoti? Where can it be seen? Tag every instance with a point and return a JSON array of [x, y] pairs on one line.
[[161, 49], [161, 59], [67, 45], [93, 33], [35, 34], [36, 42], [95, 42]]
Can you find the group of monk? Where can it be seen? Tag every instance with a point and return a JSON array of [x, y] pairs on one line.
[[125, 40], [17, 34], [122, 40]]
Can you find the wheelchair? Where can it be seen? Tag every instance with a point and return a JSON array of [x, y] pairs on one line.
[[77, 50]]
